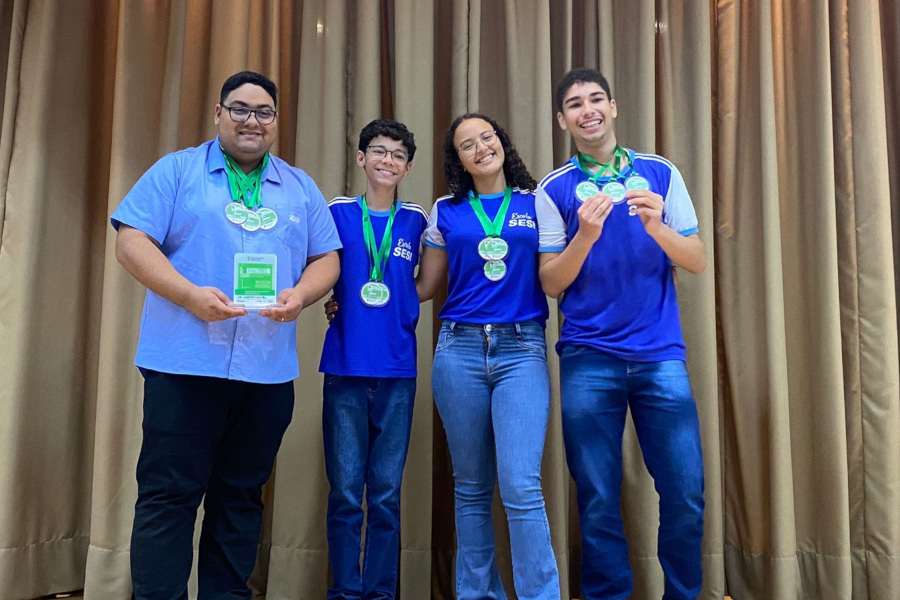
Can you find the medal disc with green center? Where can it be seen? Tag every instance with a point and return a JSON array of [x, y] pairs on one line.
[[636, 182], [585, 190], [236, 213], [495, 270], [267, 218], [375, 294], [493, 248], [253, 221], [616, 191]]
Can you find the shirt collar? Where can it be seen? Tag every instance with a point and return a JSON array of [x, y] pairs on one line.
[[215, 161]]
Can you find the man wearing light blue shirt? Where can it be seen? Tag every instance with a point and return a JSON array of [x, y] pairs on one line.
[[203, 227]]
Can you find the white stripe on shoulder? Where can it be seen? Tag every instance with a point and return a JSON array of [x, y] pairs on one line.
[[557, 173], [414, 207], [442, 198], [654, 158], [521, 191], [342, 200]]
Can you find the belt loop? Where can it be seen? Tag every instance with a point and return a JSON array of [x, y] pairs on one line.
[[452, 326], [518, 330]]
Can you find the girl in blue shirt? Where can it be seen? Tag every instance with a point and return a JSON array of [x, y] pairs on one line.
[[490, 379]]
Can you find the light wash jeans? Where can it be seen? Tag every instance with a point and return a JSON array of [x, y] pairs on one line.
[[492, 391], [597, 389]]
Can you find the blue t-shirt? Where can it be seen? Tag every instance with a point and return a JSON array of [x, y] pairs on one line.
[[472, 297], [180, 202], [368, 341], [623, 301]]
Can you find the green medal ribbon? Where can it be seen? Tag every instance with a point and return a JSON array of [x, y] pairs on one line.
[[611, 167], [245, 187], [377, 256], [491, 228]]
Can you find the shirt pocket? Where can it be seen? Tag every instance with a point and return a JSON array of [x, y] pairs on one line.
[[291, 225]]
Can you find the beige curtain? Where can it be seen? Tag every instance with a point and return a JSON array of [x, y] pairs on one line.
[[781, 115]]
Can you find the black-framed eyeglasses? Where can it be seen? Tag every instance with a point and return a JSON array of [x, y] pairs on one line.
[[241, 114], [468, 147], [379, 152]]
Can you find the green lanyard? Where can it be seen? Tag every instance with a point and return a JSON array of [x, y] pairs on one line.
[[611, 167], [377, 256], [491, 228], [243, 184]]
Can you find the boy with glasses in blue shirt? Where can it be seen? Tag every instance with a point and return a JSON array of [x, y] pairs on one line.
[[369, 362]]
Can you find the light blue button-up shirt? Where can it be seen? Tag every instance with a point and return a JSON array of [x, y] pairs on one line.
[[180, 202]]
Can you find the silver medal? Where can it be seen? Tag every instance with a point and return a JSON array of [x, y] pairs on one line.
[[375, 294]]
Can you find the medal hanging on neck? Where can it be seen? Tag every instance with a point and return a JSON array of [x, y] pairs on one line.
[[375, 293], [609, 170], [245, 208], [493, 248]]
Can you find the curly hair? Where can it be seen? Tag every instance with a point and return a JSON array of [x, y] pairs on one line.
[[460, 181], [389, 129]]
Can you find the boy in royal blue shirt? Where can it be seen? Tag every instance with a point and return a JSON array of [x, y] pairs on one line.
[[369, 362], [613, 224]]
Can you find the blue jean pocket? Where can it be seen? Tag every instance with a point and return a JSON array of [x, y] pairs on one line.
[[445, 338]]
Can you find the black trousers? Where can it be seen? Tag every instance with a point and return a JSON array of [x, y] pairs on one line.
[[212, 437]]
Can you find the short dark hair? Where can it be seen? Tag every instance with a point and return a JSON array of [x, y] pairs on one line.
[[389, 129], [239, 79], [460, 181], [580, 75]]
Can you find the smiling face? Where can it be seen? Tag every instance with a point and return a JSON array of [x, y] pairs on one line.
[[249, 141], [486, 158], [588, 114], [387, 170]]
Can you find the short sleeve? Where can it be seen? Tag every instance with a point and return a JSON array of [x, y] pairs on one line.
[[679, 210], [433, 236], [150, 204], [552, 236]]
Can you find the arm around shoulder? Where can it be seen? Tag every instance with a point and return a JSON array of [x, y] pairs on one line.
[[432, 272]]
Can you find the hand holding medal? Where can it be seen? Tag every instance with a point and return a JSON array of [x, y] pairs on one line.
[[648, 206], [592, 214]]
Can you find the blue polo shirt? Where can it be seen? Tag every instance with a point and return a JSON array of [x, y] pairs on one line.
[[180, 202], [623, 301], [472, 297], [368, 341]]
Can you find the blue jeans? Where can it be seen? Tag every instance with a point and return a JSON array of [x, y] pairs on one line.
[[492, 391], [206, 439], [597, 389], [366, 423]]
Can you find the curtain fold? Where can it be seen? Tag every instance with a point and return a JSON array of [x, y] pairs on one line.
[[782, 117]]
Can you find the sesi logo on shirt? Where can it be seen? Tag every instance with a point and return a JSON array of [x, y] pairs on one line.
[[403, 249], [522, 220]]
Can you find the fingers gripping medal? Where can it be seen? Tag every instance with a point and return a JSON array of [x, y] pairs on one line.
[[585, 190], [375, 293], [636, 182], [492, 248], [616, 191]]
